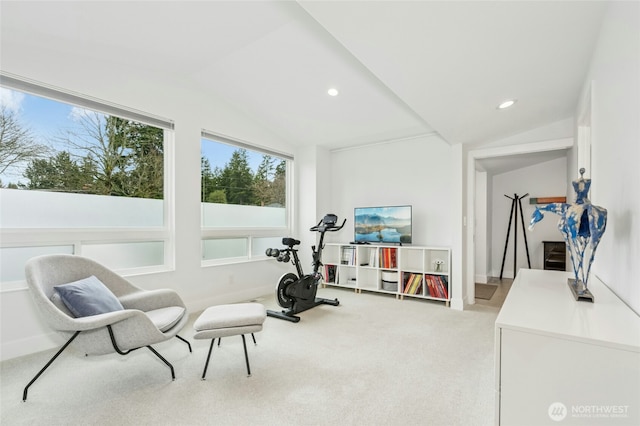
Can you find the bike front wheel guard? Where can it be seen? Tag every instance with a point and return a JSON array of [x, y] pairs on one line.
[[282, 295]]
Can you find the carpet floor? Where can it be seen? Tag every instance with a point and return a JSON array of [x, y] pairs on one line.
[[372, 360]]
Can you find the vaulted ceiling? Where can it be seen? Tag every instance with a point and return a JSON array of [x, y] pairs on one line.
[[403, 69]]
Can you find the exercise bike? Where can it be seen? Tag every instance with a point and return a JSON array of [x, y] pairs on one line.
[[297, 293]]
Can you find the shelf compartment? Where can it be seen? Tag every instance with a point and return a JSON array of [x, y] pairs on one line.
[[389, 281], [437, 286], [368, 279], [330, 273], [368, 256], [388, 258], [412, 259], [436, 261], [347, 276], [331, 254], [348, 255], [412, 284]]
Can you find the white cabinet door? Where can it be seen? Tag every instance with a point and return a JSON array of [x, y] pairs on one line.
[[545, 379]]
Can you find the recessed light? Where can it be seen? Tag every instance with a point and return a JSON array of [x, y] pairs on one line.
[[507, 103], [333, 92]]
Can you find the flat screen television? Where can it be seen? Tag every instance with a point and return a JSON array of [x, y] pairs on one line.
[[382, 225]]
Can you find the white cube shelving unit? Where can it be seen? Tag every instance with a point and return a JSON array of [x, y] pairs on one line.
[[411, 271]]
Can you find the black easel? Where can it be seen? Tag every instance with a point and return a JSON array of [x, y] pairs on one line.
[[515, 202]]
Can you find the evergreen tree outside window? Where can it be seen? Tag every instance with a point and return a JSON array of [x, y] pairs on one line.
[[244, 198], [236, 175]]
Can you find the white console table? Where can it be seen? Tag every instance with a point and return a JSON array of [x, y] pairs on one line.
[[563, 362]]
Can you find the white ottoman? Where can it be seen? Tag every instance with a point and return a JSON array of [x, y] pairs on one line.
[[229, 320]]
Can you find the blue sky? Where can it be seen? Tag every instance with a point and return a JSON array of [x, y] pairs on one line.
[[45, 118], [219, 154]]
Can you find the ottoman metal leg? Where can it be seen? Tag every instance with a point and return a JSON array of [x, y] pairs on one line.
[[229, 320], [206, 364], [246, 356]]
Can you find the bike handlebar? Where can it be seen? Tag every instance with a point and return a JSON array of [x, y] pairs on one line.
[[327, 227]]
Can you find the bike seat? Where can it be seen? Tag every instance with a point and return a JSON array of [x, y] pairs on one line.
[[290, 242]]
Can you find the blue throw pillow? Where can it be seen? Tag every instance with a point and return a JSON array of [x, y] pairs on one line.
[[88, 297]]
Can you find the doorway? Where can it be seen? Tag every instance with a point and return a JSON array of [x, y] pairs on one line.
[[481, 165]]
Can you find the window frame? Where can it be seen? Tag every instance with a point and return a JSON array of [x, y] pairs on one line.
[[77, 237], [250, 233]]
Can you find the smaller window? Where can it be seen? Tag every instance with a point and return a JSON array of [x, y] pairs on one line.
[[224, 248], [260, 245], [126, 255], [13, 259]]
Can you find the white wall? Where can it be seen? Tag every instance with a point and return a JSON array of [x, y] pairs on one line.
[[418, 172], [483, 249], [415, 172], [489, 221], [615, 79], [313, 184], [541, 180]]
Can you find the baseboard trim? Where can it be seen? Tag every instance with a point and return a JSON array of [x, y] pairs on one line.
[[457, 304], [482, 279], [239, 296], [29, 345]]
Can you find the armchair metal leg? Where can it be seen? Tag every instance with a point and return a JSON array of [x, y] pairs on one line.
[[115, 345], [186, 341], [121, 352], [26, 389], [173, 374]]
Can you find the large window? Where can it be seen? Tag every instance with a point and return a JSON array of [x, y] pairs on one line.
[[245, 198], [81, 173]]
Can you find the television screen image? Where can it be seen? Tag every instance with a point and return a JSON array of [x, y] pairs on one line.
[[383, 224]]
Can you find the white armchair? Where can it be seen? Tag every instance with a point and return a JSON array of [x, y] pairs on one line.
[[147, 317]]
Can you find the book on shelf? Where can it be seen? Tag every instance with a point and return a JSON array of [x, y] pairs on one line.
[[416, 285], [409, 283], [445, 285], [437, 286], [348, 256], [388, 258], [430, 286], [412, 284], [406, 281], [373, 258], [330, 273]]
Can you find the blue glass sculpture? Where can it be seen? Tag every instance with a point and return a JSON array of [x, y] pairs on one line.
[[581, 225]]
